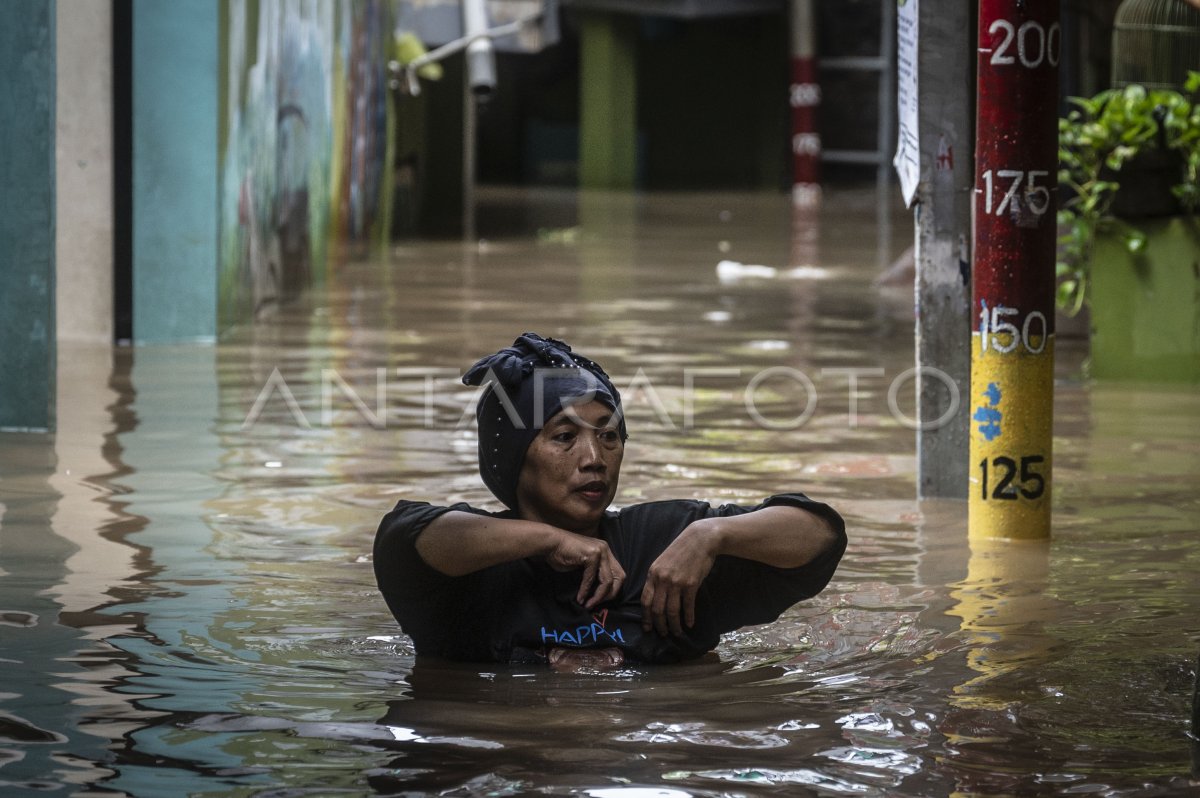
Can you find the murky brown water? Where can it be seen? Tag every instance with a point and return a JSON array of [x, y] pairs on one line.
[[187, 605]]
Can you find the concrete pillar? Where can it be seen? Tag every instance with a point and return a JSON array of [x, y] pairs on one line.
[[175, 204], [27, 191], [83, 146], [608, 101], [943, 236]]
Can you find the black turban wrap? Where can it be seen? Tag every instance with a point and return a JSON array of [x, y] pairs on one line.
[[524, 392]]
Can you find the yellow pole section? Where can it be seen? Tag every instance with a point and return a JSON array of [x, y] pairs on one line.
[[1012, 394]]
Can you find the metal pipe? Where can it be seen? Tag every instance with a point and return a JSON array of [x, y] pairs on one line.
[[481, 58], [1012, 354], [470, 136]]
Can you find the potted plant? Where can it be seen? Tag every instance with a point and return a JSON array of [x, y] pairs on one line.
[[1129, 247]]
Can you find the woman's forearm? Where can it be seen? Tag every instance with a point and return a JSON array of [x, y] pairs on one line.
[[781, 535], [458, 543]]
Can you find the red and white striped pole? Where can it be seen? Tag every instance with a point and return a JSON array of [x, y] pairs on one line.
[[1012, 356], [805, 100]]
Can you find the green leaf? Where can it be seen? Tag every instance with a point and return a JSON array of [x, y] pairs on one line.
[[1134, 240], [1132, 98], [1065, 296], [1117, 158]]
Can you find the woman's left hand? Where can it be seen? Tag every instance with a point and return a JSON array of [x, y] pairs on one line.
[[669, 597]]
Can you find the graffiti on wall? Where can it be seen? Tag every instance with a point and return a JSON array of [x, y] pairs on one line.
[[303, 143]]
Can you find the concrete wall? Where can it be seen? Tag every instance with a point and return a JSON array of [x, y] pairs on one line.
[[83, 147], [174, 170], [27, 319]]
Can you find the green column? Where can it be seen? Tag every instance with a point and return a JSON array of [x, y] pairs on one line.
[[608, 101], [27, 175], [174, 170]]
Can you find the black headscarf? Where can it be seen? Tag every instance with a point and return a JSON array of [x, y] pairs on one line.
[[524, 393]]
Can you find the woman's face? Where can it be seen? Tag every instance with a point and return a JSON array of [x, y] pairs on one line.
[[571, 469]]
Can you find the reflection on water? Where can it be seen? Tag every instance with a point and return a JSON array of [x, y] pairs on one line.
[[187, 604]]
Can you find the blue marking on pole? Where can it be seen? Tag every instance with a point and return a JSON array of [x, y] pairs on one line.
[[988, 416]]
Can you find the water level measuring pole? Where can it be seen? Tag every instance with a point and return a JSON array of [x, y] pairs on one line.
[[1012, 344], [805, 100]]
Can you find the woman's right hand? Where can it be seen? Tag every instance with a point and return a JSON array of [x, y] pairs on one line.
[[600, 567]]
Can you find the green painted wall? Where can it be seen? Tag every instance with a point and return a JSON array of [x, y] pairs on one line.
[[27, 197], [1146, 306], [174, 170], [608, 101]]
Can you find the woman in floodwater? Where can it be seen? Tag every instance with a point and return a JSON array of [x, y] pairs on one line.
[[560, 578]]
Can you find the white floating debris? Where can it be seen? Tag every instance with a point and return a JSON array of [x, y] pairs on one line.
[[732, 271], [807, 273], [718, 316], [273, 464]]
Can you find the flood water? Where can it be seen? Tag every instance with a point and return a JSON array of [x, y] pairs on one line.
[[187, 605]]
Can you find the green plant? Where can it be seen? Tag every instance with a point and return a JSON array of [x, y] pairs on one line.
[[1096, 140]]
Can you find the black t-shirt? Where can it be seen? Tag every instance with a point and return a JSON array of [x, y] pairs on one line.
[[516, 611]]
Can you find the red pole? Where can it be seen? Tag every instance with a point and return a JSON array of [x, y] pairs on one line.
[[1012, 361], [805, 99]]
